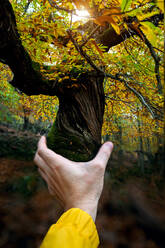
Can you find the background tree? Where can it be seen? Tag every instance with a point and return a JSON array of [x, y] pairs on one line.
[[115, 55]]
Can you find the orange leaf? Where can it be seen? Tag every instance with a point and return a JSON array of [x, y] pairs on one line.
[[97, 48], [113, 10], [115, 13], [101, 20]]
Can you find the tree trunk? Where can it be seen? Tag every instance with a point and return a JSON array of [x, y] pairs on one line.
[[76, 133]]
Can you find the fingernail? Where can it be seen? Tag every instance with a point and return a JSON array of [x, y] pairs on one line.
[[109, 145]]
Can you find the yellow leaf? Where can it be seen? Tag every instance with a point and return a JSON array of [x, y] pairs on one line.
[[55, 34], [126, 26], [101, 6], [160, 4], [142, 16], [146, 27], [116, 27]]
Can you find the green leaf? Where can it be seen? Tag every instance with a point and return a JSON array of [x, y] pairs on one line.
[[148, 29], [134, 12], [125, 5]]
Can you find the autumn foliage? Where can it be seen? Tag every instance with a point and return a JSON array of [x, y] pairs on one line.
[[43, 27]]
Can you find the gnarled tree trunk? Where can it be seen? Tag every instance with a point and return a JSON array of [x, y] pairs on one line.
[[76, 133]]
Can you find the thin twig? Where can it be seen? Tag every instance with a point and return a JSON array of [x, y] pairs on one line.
[[141, 98], [26, 7], [133, 57], [138, 94], [83, 54], [53, 4], [158, 49], [119, 77], [90, 36], [118, 100]]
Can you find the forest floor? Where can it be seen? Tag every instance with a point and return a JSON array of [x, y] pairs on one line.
[[130, 205]]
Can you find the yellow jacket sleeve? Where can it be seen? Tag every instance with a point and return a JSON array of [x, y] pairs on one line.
[[74, 229]]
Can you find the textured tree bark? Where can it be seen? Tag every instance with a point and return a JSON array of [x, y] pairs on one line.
[[76, 133]]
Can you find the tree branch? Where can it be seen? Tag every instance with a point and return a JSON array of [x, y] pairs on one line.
[[27, 6], [90, 36], [118, 77], [54, 5], [152, 110], [110, 38], [120, 100], [156, 60], [27, 76], [83, 54]]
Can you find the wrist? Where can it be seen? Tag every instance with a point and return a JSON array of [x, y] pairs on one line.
[[88, 207]]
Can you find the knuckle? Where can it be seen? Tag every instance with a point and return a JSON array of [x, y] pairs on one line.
[[55, 166], [99, 165], [40, 151]]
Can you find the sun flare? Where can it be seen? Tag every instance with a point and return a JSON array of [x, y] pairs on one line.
[[80, 15]]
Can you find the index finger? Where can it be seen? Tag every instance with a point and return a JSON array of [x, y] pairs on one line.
[[49, 156]]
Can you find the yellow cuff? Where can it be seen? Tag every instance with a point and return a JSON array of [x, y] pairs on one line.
[[83, 223], [75, 228]]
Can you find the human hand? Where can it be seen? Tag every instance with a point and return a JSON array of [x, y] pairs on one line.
[[75, 184]]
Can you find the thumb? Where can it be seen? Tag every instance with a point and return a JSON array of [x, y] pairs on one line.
[[42, 143], [104, 153]]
